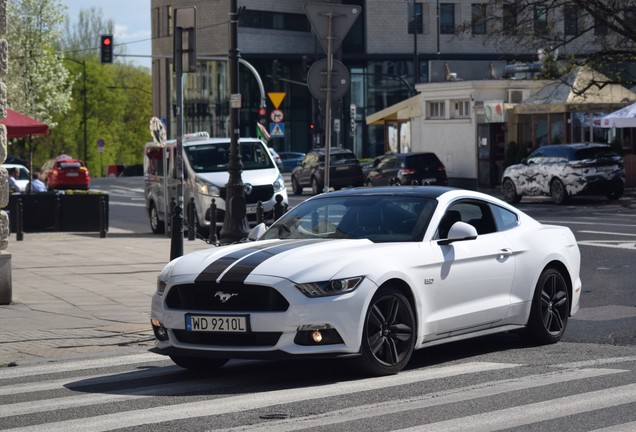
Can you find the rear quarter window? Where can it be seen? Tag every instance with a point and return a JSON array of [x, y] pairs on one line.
[[505, 219]]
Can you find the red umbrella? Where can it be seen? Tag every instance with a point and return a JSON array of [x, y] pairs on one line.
[[20, 126]]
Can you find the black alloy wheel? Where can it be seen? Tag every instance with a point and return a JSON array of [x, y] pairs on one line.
[[316, 188], [550, 308], [296, 187], [388, 336]]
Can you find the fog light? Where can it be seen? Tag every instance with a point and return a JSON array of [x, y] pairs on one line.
[[161, 333], [322, 334]]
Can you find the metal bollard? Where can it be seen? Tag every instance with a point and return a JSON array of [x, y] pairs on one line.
[[19, 221], [212, 239], [279, 207], [259, 212], [176, 235], [192, 226]]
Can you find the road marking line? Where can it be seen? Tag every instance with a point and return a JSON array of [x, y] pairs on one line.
[[455, 395], [536, 412]]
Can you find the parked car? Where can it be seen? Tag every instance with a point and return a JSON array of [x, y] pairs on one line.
[[23, 178], [565, 170], [64, 172], [291, 160], [345, 170], [407, 169], [370, 274], [277, 159]]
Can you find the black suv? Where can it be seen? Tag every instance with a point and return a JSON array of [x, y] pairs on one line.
[[407, 169], [344, 170]]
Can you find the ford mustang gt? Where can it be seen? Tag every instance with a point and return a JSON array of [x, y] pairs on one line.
[[371, 274]]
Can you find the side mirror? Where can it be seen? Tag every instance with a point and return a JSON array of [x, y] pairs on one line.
[[256, 232], [460, 231]]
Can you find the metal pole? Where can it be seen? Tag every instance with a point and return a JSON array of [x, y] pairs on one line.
[[328, 102], [84, 114], [416, 66], [176, 238], [235, 225]]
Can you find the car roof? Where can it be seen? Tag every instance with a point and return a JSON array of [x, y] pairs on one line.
[[332, 150], [12, 165], [422, 191], [575, 146], [214, 141]]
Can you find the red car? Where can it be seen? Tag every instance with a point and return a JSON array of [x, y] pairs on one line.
[[64, 172]]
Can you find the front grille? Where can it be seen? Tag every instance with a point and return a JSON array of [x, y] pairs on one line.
[[259, 193], [229, 339], [206, 296]]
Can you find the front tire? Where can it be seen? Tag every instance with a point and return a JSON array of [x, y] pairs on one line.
[[509, 192], [550, 308], [388, 336], [157, 226], [557, 192], [198, 363]]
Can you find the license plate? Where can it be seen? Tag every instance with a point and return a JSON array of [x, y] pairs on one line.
[[72, 174], [217, 323], [342, 168], [251, 210]]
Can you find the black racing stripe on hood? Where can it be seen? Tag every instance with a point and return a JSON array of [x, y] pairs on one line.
[[242, 269], [216, 268]]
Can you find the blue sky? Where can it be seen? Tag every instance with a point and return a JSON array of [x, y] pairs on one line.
[[132, 23]]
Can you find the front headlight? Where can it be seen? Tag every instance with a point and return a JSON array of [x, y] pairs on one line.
[[206, 188], [331, 287], [164, 276], [279, 184]]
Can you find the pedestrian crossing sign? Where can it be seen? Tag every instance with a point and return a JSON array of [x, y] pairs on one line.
[[277, 130]]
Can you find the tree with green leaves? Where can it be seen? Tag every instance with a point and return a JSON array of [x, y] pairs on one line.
[[37, 82], [600, 34]]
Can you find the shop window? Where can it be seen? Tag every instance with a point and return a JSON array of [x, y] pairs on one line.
[[436, 110]]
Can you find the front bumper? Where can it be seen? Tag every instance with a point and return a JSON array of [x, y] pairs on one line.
[[274, 334]]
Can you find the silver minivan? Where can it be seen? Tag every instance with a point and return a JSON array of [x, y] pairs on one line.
[[205, 176]]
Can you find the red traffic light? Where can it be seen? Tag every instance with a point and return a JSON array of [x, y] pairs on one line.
[[106, 48], [262, 111], [106, 41]]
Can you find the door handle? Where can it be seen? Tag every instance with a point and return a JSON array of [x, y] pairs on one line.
[[503, 253]]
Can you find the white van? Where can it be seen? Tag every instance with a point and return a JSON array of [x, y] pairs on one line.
[[205, 177]]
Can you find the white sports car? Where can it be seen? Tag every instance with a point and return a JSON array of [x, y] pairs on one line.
[[371, 274]]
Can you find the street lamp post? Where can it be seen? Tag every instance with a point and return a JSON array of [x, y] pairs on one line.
[[235, 225]]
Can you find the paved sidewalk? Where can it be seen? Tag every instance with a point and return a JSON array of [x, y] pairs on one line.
[[76, 294]]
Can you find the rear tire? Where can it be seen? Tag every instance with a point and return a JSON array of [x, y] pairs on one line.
[[296, 188], [509, 192], [315, 186], [157, 226], [550, 308], [198, 363], [558, 192]]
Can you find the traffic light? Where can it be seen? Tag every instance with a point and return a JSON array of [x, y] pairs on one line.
[[106, 48], [262, 113]]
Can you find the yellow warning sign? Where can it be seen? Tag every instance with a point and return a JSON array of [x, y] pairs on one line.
[[276, 98]]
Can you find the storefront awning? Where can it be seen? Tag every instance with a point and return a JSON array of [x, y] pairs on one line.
[[405, 110]]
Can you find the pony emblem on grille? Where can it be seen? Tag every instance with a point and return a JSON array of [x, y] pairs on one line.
[[223, 296]]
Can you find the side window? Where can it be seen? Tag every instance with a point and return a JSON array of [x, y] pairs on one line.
[[505, 219], [475, 213], [536, 157]]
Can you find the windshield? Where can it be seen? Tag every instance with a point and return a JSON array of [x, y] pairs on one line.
[[379, 218], [214, 157]]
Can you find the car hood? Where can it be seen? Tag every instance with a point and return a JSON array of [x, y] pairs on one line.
[[254, 177], [297, 260]]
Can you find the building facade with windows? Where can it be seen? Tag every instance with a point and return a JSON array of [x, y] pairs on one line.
[[392, 50]]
